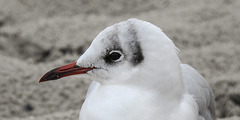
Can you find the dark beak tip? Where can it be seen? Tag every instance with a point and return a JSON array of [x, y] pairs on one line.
[[48, 77], [42, 80]]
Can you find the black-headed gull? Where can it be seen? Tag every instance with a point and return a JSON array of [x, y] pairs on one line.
[[137, 75]]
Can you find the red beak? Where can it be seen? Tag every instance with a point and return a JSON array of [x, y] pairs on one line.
[[63, 71]]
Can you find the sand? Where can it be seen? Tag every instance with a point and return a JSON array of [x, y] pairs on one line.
[[38, 35]]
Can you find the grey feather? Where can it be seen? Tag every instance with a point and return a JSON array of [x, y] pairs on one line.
[[197, 86]]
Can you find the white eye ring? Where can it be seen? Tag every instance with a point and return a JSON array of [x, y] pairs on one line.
[[116, 55]]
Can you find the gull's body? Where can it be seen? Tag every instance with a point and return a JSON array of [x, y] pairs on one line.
[[137, 75], [195, 86]]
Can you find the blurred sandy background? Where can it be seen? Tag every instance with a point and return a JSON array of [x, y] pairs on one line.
[[38, 35]]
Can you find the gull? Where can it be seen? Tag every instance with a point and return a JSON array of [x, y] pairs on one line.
[[137, 75]]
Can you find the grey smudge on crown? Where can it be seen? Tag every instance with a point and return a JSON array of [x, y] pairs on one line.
[[115, 43], [113, 40], [134, 46]]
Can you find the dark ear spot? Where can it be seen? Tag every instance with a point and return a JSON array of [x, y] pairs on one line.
[[137, 55], [134, 46]]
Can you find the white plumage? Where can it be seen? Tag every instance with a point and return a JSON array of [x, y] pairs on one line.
[[152, 90], [137, 75]]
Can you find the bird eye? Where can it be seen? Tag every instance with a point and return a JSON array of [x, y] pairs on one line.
[[115, 55]]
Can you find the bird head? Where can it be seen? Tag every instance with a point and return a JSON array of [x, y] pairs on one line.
[[128, 49]]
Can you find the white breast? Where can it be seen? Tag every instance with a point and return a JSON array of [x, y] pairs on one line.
[[121, 102]]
